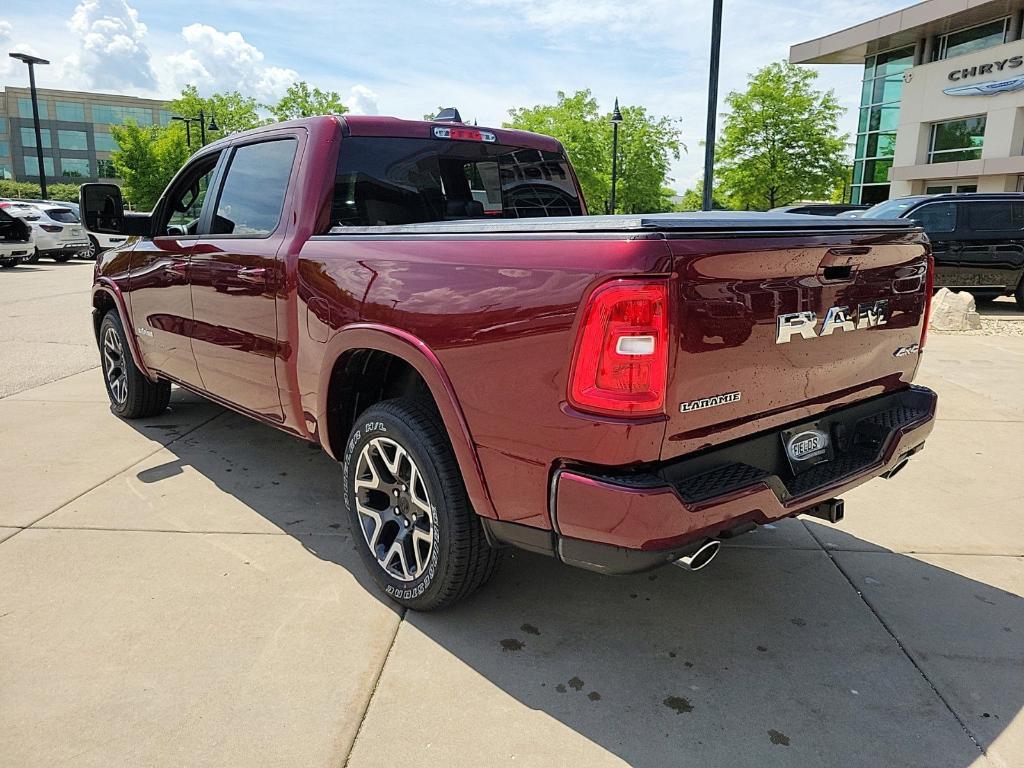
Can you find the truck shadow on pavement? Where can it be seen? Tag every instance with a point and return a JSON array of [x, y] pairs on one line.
[[780, 653]]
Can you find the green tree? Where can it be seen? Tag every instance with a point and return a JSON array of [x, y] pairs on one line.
[[647, 145], [232, 111], [147, 160], [780, 141], [693, 199], [302, 101]]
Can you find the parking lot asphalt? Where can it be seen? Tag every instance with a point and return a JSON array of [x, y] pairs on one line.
[[183, 590]]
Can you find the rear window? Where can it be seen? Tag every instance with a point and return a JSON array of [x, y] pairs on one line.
[[994, 215], [63, 215], [387, 181]]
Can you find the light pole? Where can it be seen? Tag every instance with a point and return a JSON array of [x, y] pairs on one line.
[[709, 138], [32, 61], [616, 121], [203, 127]]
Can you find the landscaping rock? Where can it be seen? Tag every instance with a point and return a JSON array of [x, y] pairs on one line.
[[954, 311]]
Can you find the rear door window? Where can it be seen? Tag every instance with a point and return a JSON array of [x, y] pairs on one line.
[[994, 215], [63, 215], [390, 181], [252, 196], [936, 217]]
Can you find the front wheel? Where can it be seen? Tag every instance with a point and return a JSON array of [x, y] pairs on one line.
[[1019, 294], [408, 509], [94, 248], [132, 395], [34, 258], [60, 258], [9, 262]]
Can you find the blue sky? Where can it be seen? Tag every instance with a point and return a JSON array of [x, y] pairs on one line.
[[405, 58]]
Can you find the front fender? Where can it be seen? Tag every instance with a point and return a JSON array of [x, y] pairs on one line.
[[414, 351], [109, 287]]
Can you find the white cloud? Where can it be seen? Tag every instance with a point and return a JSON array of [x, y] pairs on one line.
[[5, 31], [112, 54], [219, 61], [362, 101]]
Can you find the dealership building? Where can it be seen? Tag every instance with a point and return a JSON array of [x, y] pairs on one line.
[[76, 134], [942, 98]]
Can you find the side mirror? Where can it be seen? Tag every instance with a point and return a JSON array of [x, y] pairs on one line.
[[102, 210]]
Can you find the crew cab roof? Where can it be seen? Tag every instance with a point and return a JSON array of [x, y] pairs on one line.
[[717, 222], [376, 125]]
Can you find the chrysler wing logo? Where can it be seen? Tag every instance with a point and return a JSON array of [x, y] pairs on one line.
[[988, 88], [804, 324]]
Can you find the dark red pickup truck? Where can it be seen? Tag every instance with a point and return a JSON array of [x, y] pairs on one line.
[[429, 303]]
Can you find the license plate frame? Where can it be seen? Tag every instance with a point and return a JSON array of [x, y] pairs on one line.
[[806, 446]]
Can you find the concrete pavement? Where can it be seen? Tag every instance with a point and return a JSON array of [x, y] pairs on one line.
[[183, 591]]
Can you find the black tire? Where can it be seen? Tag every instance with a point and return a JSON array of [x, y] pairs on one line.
[[34, 258], [1018, 295], [94, 249], [9, 262], [459, 559], [132, 395], [60, 258]]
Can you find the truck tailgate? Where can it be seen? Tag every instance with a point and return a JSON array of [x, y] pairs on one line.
[[736, 371]]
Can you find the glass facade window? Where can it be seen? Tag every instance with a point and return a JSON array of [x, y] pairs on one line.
[[73, 140], [74, 167], [5, 149], [72, 111], [105, 142], [973, 39], [957, 140], [165, 117], [5, 172], [111, 115], [876, 128], [28, 137], [32, 165], [3, 125], [25, 109], [105, 169]]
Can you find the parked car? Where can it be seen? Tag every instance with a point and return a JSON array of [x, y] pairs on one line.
[[520, 380], [58, 233], [16, 242], [98, 242], [977, 239], [821, 209]]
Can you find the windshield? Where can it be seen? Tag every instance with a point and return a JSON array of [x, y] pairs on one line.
[[890, 209], [387, 181]]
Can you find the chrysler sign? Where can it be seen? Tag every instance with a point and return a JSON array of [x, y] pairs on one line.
[[988, 87]]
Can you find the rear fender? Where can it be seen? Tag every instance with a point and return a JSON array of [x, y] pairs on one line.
[[417, 354]]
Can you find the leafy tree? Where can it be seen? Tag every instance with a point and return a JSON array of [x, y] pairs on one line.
[[646, 146], [232, 111], [302, 101], [147, 160], [780, 141], [693, 199]]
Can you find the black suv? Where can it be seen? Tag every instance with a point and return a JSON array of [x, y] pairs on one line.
[[977, 238]]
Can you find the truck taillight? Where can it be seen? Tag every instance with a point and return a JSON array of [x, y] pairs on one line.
[[463, 134], [620, 365], [929, 288]]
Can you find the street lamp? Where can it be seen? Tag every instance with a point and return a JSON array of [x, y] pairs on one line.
[[616, 121], [203, 127], [31, 61], [709, 137]]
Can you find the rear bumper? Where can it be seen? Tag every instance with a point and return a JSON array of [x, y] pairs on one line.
[[621, 523]]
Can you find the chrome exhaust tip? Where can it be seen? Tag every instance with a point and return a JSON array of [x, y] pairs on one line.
[[701, 557]]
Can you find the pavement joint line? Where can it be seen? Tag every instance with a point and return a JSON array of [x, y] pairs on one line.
[[39, 386], [107, 479], [373, 691], [103, 529], [903, 649]]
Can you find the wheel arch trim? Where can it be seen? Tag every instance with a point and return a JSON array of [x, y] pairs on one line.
[[416, 353], [107, 286]]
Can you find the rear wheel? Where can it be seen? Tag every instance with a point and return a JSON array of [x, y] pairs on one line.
[[60, 258], [408, 509], [9, 262], [132, 395], [1019, 293], [94, 248]]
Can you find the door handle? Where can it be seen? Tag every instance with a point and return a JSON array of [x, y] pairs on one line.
[[253, 274]]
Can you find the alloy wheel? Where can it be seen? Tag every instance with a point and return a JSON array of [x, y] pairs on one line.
[[394, 509], [114, 366]]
